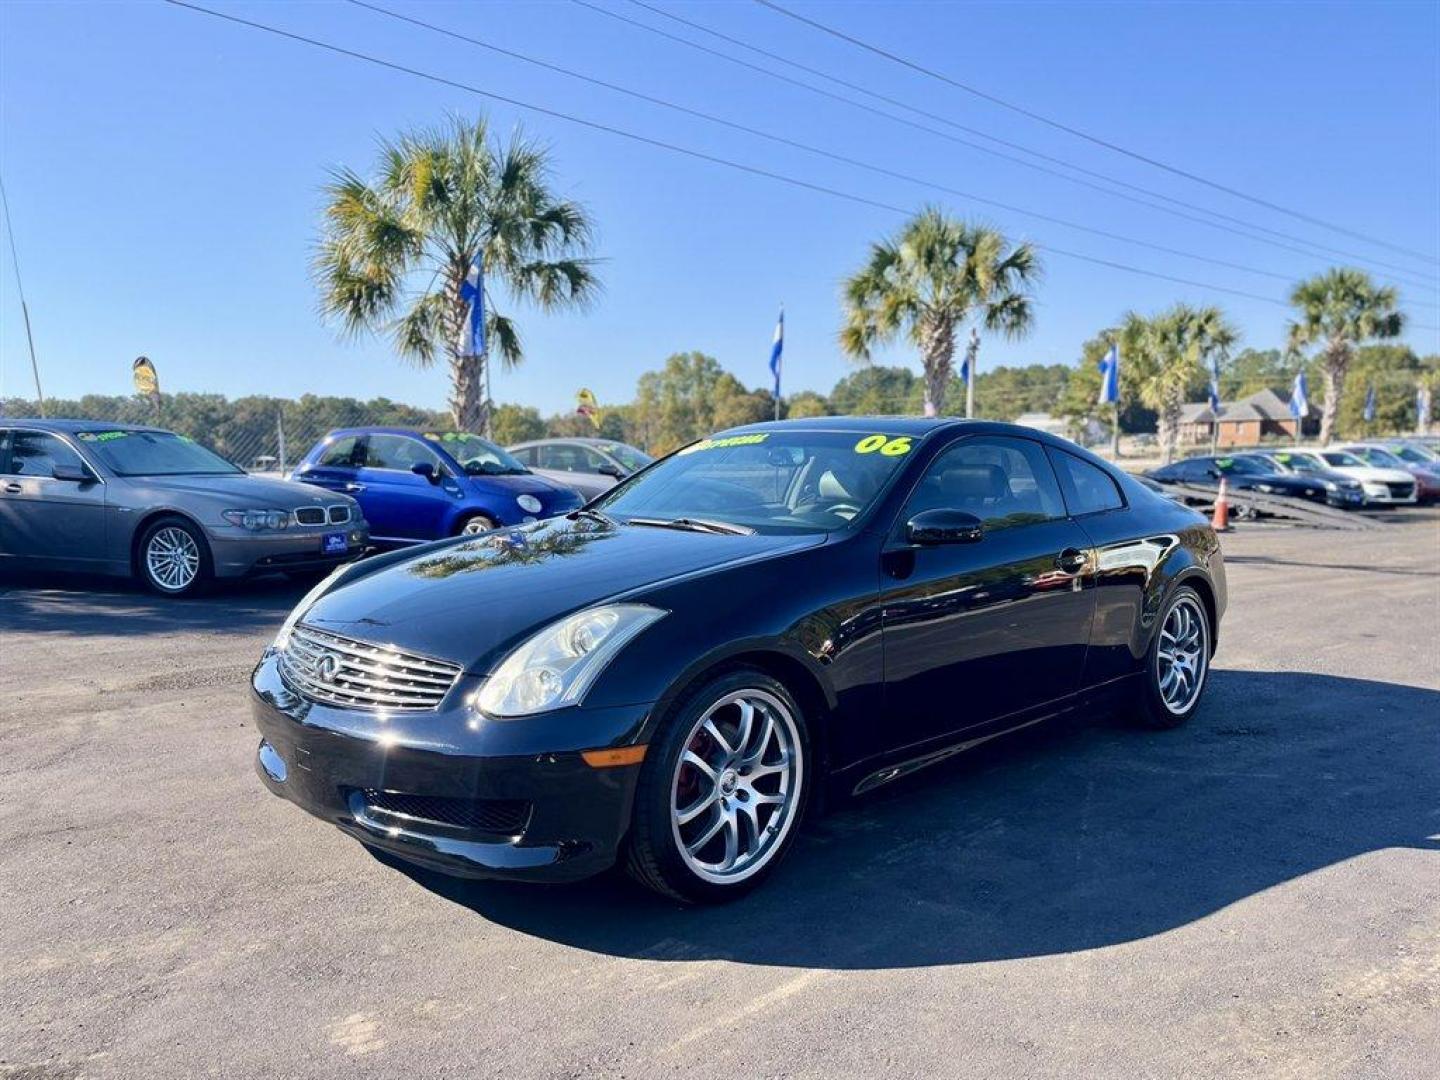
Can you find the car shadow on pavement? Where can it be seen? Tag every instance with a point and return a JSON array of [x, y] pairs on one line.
[[1075, 837], [82, 604]]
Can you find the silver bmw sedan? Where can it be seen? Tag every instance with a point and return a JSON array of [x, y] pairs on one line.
[[134, 501]]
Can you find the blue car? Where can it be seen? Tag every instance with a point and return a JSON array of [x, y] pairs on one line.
[[415, 486]]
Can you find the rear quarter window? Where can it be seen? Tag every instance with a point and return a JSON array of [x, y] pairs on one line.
[[1088, 489]]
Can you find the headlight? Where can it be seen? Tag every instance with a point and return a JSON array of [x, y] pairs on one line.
[[556, 666], [1331, 485], [1264, 487], [529, 503], [257, 520]]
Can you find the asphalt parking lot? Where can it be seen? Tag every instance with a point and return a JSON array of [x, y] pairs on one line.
[[1257, 894]]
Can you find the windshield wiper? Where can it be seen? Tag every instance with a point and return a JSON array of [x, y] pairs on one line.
[[593, 515], [694, 525]]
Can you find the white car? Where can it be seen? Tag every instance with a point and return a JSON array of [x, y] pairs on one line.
[[1383, 487]]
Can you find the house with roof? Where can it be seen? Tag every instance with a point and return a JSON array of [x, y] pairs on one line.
[[1247, 422]]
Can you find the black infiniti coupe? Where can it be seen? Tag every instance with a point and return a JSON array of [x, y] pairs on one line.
[[669, 677]]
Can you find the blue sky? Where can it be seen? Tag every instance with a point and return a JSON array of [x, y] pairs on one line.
[[164, 172]]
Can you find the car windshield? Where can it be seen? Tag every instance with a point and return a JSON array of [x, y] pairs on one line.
[[1410, 454], [154, 453], [1245, 466], [1297, 462], [1253, 464], [1342, 459], [1384, 458], [633, 460], [477, 456], [799, 481]]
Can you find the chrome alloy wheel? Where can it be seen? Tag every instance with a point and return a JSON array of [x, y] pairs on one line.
[[172, 558], [737, 786], [1183, 656]]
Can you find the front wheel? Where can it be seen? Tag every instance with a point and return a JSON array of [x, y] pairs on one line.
[[173, 558], [1176, 664], [474, 525], [722, 790]]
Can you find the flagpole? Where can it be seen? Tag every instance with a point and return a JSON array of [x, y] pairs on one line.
[[972, 355], [24, 308]]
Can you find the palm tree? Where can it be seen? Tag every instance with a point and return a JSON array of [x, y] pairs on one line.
[[1170, 353], [1340, 310], [926, 281], [394, 252]]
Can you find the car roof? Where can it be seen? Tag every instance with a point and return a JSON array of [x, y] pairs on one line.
[[65, 427], [584, 440], [414, 432], [917, 426]]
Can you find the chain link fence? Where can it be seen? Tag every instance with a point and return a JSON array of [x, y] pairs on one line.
[[260, 434]]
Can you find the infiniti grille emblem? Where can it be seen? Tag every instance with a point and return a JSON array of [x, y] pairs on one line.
[[327, 667]]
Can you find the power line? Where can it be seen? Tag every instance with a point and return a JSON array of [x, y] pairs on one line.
[[675, 148], [795, 144], [1078, 133], [1396, 271]]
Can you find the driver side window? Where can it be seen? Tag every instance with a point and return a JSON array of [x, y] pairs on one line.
[[1003, 482], [35, 453], [399, 453]]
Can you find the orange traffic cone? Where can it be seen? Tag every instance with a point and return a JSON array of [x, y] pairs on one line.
[[1221, 521]]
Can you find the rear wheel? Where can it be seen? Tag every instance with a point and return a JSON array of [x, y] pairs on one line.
[[474, 525], [173, 558], [723, 790], [1177, 663]]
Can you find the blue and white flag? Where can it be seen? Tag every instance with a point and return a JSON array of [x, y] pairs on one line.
[[472, 292], [965, 371], [1215, 387], [1300, 398], [1369, 404], [776, 350], [1110, 376], [1422, 409]]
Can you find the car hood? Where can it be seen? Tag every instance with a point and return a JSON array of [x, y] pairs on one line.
[[470, 602], [1375, 473], [519, 484], [239, 492]]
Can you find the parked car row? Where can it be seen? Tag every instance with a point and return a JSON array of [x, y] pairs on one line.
[[137, 501], [1352, 477]]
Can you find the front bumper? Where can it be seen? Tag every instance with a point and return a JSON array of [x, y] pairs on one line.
[[237, 552], [516, 799], [1375, 496]]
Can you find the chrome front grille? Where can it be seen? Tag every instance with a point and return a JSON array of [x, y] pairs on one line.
[[317, 515], [337, 670]]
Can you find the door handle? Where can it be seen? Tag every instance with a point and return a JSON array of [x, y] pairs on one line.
[[1071, 560], [12, 489], [354, 487]]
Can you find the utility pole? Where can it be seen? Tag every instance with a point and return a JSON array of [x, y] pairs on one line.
[[24, 308]]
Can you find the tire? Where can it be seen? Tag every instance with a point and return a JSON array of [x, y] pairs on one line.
[[754, 791], [1162, 700], [475, 525], [173, 557]]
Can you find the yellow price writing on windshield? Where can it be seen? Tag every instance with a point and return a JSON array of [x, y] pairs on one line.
[[885, 444]]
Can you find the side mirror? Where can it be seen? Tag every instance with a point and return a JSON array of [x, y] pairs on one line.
[[425, 469], [610, 470], [75, 473], [940, 526]]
